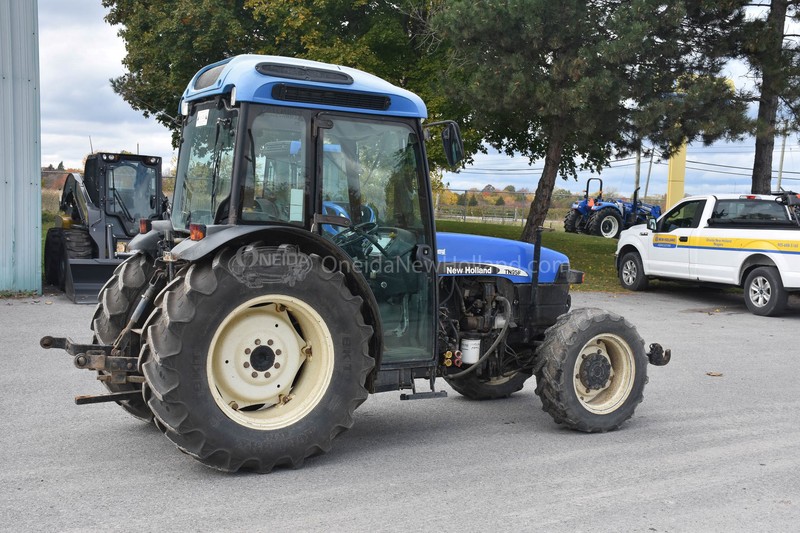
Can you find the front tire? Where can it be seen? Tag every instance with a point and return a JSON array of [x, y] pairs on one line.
[[631, 272], [252, 368], [593, 370], [764, 294], [607, 223]]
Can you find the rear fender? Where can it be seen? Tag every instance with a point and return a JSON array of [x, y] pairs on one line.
[[310, 243]]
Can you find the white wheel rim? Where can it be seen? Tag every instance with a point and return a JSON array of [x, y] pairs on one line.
[[609, 226], [629, 272], [609, 396], [262, 372], [760, 291]]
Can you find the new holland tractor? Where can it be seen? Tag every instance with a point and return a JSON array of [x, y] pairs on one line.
[[607, 218], [99, 213], [300, 272]]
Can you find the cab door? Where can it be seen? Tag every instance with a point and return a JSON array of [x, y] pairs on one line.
[[670, 243], [373, 174]]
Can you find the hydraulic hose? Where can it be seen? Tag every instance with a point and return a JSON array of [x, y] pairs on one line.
[[500, 338]]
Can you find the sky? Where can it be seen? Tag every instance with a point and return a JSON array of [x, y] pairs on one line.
[[79, 52]]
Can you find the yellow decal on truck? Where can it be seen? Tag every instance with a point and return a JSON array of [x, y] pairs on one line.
[[665, 241]]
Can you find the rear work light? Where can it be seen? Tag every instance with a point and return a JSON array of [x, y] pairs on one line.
[[197, 232], [145, 225]]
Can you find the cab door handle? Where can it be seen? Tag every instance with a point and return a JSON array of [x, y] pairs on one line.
[[683, 239]]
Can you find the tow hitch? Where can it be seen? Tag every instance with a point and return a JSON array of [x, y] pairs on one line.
[[101, 357], [658, 356]]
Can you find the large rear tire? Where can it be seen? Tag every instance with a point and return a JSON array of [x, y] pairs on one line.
[[593, 370], [53, 257], [571, 221], [116, 302], [606, 222], [477, 387], [257, 367]]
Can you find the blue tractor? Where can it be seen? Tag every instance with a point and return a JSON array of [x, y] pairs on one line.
[[300, 271], [607, 218]]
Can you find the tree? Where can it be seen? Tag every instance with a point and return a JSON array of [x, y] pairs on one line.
[[60, 166], [774, 60], [500, 201], [167, 42], [473, 201], [572, 82], [509, 188]]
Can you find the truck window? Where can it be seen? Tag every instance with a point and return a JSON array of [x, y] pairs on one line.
[[742, 210], [685, 215]]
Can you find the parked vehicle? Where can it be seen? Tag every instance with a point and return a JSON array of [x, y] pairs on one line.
[[251, 331], [99, 214], [749, 241], [607, 218]]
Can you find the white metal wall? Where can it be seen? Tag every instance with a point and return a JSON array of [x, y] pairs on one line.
[[20, 150]]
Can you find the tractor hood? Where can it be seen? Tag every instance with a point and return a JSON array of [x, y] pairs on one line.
[[475, 255]]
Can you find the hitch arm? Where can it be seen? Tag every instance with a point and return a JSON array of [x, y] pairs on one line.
[[94, 357]]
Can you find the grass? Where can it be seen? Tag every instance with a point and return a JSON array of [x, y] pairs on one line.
[[590, 254]]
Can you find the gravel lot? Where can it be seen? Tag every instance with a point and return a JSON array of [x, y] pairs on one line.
[[702, 453]]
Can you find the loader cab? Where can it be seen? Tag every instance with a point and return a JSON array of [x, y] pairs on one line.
[[127, 187], [346, 163]]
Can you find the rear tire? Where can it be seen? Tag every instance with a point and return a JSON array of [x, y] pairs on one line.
[[764, 294], [257, 367], [116, 302], [477, 387], [631, 272], [53, 256], [606, 222], [592, 372], [571, 221]]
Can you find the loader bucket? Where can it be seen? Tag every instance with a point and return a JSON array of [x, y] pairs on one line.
[[85, 278]]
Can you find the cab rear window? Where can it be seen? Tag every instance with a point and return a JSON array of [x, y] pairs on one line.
[[747, 210]]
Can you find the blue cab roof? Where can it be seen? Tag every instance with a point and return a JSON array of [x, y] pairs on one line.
[[252, 85]]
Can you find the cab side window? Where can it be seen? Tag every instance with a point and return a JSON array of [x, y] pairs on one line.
[[685, 215]]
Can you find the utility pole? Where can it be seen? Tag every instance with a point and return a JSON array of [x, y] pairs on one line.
[[783, 152]]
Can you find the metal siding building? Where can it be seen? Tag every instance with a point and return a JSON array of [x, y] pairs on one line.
[[20, 149]]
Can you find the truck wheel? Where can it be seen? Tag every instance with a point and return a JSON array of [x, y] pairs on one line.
[[251, 368], [116, 302], [631, 272], [571, 221], [764, 293], [592, 372], [53, 254], [606, 222], [477, 387]]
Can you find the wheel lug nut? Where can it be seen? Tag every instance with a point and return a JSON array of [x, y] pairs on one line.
[[246, 364], [254, 374], [267, 374], [277, 352], [269, 342], [247, 351], [258, 341], [277, 365]]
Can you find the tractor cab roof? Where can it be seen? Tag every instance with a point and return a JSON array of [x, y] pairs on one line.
[[302, 83]]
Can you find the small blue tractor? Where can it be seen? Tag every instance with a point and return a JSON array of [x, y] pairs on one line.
[[607, 218], [301, 271]]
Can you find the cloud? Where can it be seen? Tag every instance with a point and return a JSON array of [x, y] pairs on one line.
[[78, 54]]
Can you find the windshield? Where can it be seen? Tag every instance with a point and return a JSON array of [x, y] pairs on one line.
[[132, 189], [205, 166]]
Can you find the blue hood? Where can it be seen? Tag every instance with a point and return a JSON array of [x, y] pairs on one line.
[[471, 255]]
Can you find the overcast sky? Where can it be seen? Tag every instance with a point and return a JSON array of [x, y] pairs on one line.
[[79, 53]]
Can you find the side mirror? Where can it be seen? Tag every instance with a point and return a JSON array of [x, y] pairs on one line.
[[453, 146], [652, 224]]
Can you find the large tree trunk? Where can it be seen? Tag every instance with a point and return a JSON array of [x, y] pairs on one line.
[[544, 191], [768, 103]]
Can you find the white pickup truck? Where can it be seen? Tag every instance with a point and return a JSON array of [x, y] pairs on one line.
[[750, 241]]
